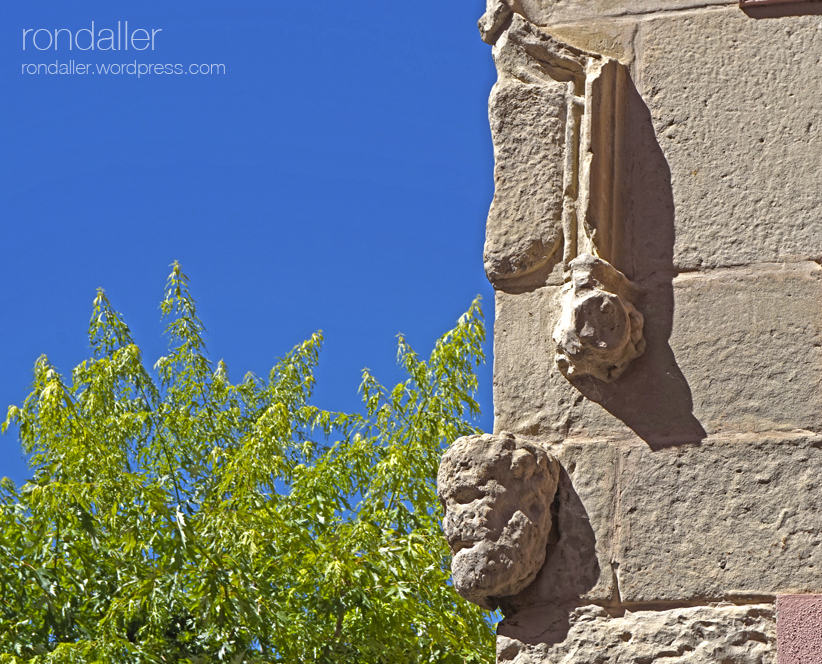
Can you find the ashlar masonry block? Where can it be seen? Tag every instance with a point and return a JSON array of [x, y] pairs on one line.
[[589, 635], [730, 350], [694, 523], [548, 12], [736, 104]]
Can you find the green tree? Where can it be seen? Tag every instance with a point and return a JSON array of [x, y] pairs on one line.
[[176, 517]]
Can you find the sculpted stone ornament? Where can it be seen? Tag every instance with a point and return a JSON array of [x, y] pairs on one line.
[[599, 332], [559, 118], [497, 492]]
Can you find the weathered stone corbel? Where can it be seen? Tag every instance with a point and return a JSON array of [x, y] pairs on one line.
[[599, 332], [497, 492]]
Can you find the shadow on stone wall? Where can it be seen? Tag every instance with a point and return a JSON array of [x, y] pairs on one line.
[[652, 397], [571, 571]]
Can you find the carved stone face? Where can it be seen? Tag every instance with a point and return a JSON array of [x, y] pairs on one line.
[[599, 332], [497, 492]]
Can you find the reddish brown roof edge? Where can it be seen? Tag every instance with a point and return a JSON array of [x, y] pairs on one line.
[[757, 3]]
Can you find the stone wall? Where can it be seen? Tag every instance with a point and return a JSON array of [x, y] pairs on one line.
[[676, 146]]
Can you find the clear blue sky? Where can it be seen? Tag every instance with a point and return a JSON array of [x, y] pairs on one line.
[[336, 176]]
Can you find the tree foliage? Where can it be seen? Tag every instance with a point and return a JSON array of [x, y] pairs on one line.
[[174, 516]]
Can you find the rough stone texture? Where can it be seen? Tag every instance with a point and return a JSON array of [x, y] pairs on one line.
[[497, 492], [599, 330], [727, 350], [756, 3], [741, 129], [534, 112], [609, 38], [750, 347], [730, 518], [799, 629], [693, 523], [547, 12], [699, 635], [524, 231]]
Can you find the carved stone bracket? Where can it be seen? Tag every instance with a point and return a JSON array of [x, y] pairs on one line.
[[599, 332], [497, 492]]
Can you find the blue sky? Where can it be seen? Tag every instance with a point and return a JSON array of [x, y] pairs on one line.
[[336, 176]]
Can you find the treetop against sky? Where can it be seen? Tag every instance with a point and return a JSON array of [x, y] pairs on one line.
[[332, 171]]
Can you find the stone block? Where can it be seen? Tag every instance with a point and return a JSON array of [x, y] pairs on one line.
[[613, 39], [524, 230], [731, 519], [531, 396], [588, 635], [580, 550], [749, 343], [546, 12], [741, 129], [727, 350], [798, 629]]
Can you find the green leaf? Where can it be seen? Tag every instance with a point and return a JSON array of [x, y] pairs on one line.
[[175, 516]]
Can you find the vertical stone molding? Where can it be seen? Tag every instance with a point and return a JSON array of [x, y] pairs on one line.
[[557, 116]]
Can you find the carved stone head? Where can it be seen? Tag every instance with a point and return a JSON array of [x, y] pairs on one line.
[[497, 492], [599, 332]]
